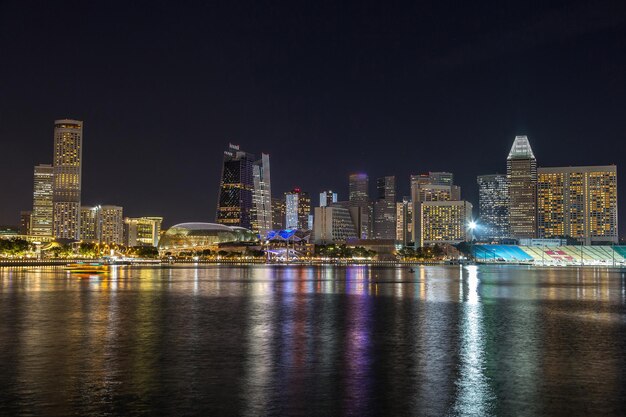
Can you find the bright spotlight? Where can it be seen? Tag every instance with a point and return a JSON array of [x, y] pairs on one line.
[[472, 225]]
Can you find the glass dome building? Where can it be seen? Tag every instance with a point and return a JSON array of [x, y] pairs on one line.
[[199, 236]]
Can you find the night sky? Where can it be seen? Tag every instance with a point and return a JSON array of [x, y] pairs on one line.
[[326, 88]]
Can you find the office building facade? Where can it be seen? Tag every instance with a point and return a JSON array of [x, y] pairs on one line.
[[493, 206], [443, 222], [384, 225], [521, 173], [142, 231], [42, 213], [261, 196], [67, 166], [578, 202], [234, 202]]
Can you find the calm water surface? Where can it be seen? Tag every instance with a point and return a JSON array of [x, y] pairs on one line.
[[272, 340]]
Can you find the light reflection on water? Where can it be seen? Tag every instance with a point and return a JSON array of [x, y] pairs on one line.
[[278, 340]]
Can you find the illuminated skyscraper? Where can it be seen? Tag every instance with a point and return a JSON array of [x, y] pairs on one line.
[[521, 173], [578, 202], [443, 222], [68, 150], [327, 198], [111, 225], [426, 188], [90, 224], [234, 203], [261, 196], [297, 209], [360, 206], [404, 221], [493, 198], [41, 218], [385, 208]]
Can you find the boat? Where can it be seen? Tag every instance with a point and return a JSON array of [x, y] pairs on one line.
[[87, 267]]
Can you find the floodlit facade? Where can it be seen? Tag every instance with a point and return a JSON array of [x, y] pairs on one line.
[[404, 221], [90, 224], [262, 196], [333, 224], [493, 205], [431, 187], [111, 225], [42, 214], [142, 231], [234, 203], [297, 209], [67, 166], [443, 222], [327, 198], [578, 202], [521, 172], [384, 226]]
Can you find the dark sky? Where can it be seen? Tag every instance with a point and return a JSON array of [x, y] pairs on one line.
[[325, 87]]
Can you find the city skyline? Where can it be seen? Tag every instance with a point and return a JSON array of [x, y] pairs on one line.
[[357, 97]]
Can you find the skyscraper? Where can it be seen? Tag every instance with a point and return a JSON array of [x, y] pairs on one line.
[[234, 203], [327, 198], [111, 224], [360, 204], [297, 209], [404, 221], [433, 187], [521, 173], [68, 151], [385, 208], [25, 222], [42, 218], [90, 230], [261, 196], [578, 202], [493, 199], [443, 222]]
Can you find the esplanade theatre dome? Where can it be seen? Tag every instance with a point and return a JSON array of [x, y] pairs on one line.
[[190, 236]]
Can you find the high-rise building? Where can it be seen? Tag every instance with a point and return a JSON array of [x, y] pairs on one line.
[[25, 222], [278, 213], [68, 150], [443, 222], [261, 196], [360, 205], [111, 225], [142, 231], [90, 230], [234, 203], [493, 204], [521, 173], [297, 209], [427, 188], [385, 208], [42, 217], [327, 198], [333, 224], [578, 202], [404, 221]]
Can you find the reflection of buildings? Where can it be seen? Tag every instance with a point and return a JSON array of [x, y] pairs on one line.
[[142, 231], [41, 218], [578, 202], [493, 198], [68, 150], [521, 172]]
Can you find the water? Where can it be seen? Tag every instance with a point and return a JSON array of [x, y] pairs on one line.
[[262, 340]]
